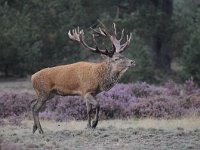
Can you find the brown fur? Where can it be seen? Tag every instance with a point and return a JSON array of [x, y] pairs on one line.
[[81, 78], [74, 79]]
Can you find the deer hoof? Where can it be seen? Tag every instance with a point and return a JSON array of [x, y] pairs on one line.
[[41, 131], [94, 123], [34, 128], [88, 126]]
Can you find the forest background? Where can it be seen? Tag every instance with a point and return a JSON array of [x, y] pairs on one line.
[[165, 44]]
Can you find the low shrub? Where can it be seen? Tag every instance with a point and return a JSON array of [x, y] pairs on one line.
[[122, 101]]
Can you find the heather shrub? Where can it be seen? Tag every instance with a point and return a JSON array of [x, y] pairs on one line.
[[123, 101], [14, 103], [64, 108], [158, 106], [14, 120], [172, 88], [190, 86]]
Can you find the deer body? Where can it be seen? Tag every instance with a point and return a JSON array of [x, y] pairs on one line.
[[75, 79], [82, 78]]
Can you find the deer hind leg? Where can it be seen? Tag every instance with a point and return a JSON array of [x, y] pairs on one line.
[[35, 110], [89, 111], [96, 119], [90, 99]]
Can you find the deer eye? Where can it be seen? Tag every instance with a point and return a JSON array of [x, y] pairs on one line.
[[116, 59]]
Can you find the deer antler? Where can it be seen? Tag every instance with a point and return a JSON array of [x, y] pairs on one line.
[[78, 35], [117, 43]]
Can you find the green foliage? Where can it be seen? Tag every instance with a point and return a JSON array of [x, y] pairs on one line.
[[33, 34], [186, 37], [144, 68], [14, 38], [191, 53]]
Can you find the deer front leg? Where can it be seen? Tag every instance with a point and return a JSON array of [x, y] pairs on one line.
[[89, 111], [91, 100]]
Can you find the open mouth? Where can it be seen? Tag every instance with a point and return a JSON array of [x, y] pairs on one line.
[[132, 65]]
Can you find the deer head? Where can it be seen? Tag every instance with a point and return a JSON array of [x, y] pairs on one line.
[[114, 57]]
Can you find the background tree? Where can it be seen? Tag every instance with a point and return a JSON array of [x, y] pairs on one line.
[[33, 35]]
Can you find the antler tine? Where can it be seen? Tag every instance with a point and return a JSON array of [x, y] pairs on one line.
[[126, 44], [75, 34], [73, 31], [93, 38], [102, 32], [122, 35], [78, 35], [78, 29], [130, 37], [99, 33], [71, 35], [104, 29], [114, 29]]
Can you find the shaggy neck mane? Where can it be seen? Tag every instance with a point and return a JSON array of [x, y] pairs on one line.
[[107, 78]]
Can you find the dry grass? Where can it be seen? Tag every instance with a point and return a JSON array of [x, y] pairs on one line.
[[185, 123], [191, 123], [16, 84], [112, 134]]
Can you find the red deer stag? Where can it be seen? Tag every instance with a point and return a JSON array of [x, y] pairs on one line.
[[83, 78]]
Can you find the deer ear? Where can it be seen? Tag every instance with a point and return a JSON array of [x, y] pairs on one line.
[[104, 57]]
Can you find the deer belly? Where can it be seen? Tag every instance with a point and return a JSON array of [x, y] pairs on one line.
[[66, 92]]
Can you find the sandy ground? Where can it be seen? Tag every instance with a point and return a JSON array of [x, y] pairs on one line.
[[109, 135]]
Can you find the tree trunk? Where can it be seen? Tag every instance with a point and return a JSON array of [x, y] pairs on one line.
[[161, 40], [6, 70]]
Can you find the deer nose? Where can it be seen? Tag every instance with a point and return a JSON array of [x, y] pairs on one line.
[[132, 62]]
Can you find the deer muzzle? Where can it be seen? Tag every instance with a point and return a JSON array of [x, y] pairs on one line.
[[132, 63]]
